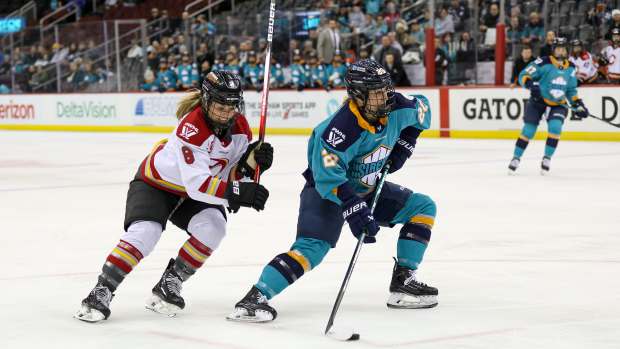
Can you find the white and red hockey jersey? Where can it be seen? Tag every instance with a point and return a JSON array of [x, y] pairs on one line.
[[586, 68], [613, 56], [194, 162]]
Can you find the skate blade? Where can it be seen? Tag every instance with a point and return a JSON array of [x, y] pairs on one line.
[[544, 172], [87, 314], [241, 315], [405, 301], [160, 306]]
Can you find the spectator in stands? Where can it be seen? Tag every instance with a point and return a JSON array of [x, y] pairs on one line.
[[185, 24], [298, 72], [460, 14], [4, 89], [547, 49], [489, 20], [60, 53], [465, 58], [172, 63], [357, 19], [343, 19], [516, 31], [402, 36], [381, 28], [89, 76], [394, 43], [613, 23], [336, 72], [373, 7], [244, 50], [526, 57], [152, 60], [391, 14], [203, 54], [76, 76], [396, 70], [444, 23], [329, 42], [441, 62], [154, 21], [149, 85], [166, 78], [534, 31], [416, 35], [386, 46], [450, 48], [187, 74], [165, 23], [599, 15]]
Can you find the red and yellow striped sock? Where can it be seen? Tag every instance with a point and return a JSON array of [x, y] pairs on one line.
[[120, 262], [192, 256]]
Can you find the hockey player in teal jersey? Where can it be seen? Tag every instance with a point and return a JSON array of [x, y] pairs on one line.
[[346, 153], [276, 74], [298, 72], [552, 82], [252, 72]]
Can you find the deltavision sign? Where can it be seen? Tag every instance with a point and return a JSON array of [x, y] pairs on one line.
[[88, 109]]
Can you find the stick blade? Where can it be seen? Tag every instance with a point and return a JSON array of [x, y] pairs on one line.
[[342, 334]]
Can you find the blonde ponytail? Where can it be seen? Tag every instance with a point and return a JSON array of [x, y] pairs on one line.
[[188, 103]]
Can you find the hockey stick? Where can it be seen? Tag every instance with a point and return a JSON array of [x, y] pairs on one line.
[[567, 106], [265, 95], [350, 335]]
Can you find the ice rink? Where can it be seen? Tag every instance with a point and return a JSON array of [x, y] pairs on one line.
[[520, 262]]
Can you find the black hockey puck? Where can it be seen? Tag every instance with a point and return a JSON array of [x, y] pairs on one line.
[[354, 337]]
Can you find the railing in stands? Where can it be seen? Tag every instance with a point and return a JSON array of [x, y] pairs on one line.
[[197, 7], [62, 13]]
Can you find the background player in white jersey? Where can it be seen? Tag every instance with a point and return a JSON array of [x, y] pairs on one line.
[[611, 54], [587, 69], [188, 179]]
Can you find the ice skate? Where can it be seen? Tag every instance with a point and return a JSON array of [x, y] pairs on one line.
[[254, 307], [545, 166], [96, 306], [408, 293], [166, 297], [514, 164]]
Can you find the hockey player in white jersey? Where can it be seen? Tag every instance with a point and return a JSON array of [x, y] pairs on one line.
[[188, 179], [611, 54], [587, 69]]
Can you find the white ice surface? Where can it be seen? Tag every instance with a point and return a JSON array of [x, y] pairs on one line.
[[520, 262]]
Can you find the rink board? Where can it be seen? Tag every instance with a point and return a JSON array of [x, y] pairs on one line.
[[458, 112]]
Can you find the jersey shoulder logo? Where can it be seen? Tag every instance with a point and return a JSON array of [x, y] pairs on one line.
[[335, 137], [188, 130]]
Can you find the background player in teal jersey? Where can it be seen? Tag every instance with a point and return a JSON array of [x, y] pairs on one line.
[[346, 153], [298, 72], [552, 82], [252, 72]]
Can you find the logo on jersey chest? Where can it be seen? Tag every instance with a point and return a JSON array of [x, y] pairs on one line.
[[367, 167], [217, 165], [559, 81]]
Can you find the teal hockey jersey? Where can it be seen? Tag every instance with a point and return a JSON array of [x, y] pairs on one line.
[[557, 80], [346, 148]]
